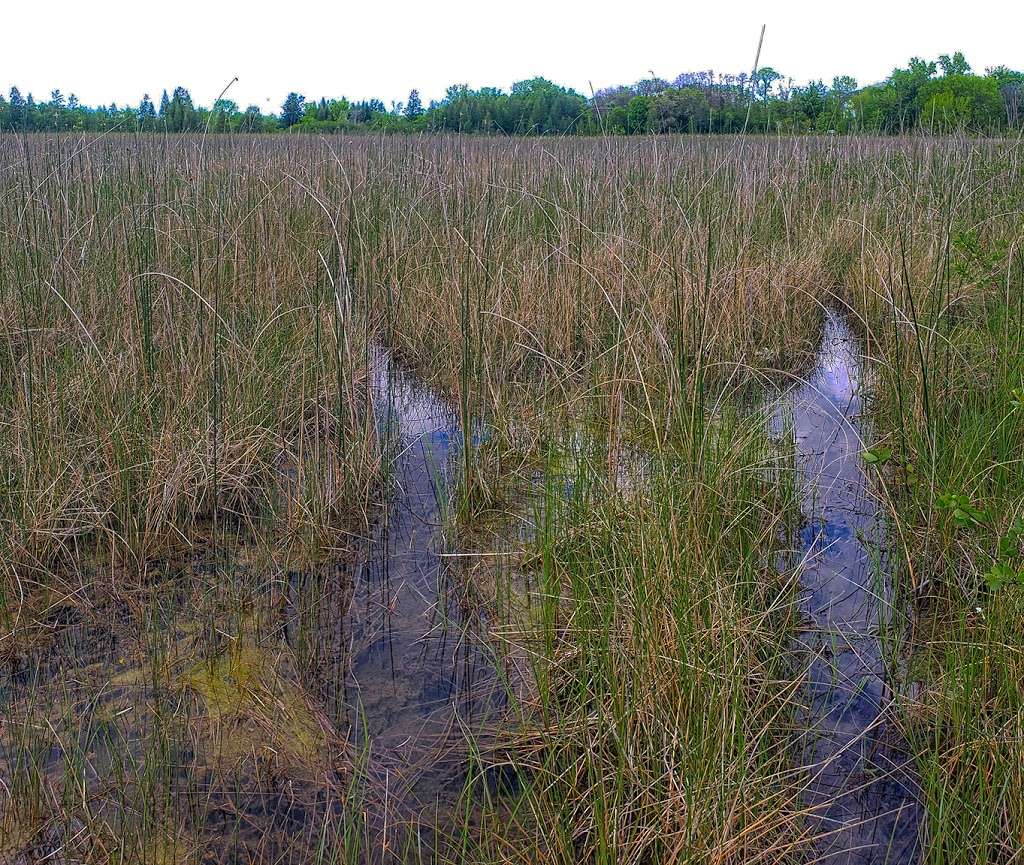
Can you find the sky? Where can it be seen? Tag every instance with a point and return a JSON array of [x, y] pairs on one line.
[[112, 51]]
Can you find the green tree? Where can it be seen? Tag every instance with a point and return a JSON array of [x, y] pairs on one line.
[[1011, 89], [291, 111], [147, 113], [181, 113], [906, 83], [680, 109], [223, 114], [56, 110], [955, 65], [844, 86], [877, 109], [414, 106], [310, 114], [338, 110], [967, 102], [764, 80], [836, 115], [638, 113], [17, 112], [363, 112], [538, 106], [251, 121], [811, 101]]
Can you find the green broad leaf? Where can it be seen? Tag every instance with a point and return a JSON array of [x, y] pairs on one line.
[[1001, 574], [968, 516], [1009, 546], [910, 475], [877, 455], [963, 512], [975, 514]]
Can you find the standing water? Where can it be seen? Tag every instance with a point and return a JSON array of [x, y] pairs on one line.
[[387, 657], [860, 790], [421, 677]]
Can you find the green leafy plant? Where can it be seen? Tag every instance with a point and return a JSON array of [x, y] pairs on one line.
[[1002, 574], [1007, 567], [911, 476], [976, 259], [960, 508], [1010, 543], [877, 456]]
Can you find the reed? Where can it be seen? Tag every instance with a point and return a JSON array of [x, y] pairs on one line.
[[194, 467]]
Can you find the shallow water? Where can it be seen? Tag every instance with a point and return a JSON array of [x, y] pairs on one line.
[[861, 789], [385, 645], [401, 662], [421, 675]]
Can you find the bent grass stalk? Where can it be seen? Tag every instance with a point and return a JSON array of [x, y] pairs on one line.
[[185, 333]]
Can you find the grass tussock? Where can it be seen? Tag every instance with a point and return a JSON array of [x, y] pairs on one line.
[[656, 626]]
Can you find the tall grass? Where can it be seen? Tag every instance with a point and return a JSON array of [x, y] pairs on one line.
[[947, 322], [186, 327]]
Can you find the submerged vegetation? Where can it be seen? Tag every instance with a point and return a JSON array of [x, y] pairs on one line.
[[421, 499]]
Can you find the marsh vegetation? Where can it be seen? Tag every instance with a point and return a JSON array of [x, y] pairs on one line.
[[434, 499]]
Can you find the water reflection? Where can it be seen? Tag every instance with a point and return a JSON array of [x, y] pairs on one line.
[[861, 789], [422, 675]]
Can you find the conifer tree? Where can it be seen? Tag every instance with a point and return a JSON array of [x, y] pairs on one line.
[[414, 107], [147, 113], [291, 111], [17, 109]]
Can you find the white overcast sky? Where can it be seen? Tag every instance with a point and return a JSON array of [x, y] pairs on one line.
[[108, 50]]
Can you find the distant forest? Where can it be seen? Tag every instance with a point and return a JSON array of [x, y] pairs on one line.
[[942, 95]]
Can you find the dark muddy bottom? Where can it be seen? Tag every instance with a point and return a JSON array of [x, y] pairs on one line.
[[861, 791], [244, 712], [423, 681]]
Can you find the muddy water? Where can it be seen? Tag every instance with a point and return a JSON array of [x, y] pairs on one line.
[[861, 790], [421, 676], [407, 674], [386, 644]]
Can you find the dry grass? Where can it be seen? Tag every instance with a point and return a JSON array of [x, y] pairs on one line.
[[185, 334]]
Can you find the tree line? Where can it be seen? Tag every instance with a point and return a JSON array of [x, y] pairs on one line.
[[938, 96]]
